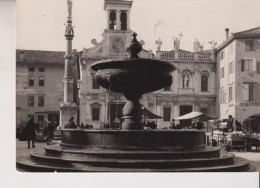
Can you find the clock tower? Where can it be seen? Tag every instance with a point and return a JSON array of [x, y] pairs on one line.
[[117, 34]]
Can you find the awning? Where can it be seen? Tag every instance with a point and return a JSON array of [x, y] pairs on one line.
[[149, 115], [195, 115]]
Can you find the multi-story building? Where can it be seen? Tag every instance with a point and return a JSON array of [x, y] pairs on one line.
[[39, 84], [238, 83]]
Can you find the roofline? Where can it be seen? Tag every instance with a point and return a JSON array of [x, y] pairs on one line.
[[19, 62], [125, 2], [40, 50], [232, 38], [238, 33]]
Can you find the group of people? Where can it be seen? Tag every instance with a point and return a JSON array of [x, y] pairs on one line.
[[174, 126], [150, 125], [47, 127], [232, 125]]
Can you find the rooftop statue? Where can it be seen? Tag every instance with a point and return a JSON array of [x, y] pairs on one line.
[[159, 44]]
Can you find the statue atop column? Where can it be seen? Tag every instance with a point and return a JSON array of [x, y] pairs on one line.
[[177, 41], [69, 8], [159, 44]]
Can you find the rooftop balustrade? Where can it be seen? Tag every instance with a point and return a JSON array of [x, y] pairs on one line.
[[189, 56]]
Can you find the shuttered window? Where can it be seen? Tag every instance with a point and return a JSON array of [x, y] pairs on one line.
[[166, 114], [248, 91]]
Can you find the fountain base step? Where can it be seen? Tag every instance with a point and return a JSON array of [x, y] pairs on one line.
[[133, 151], [54, 158]]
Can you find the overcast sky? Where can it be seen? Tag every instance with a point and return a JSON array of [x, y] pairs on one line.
[[40, 23]]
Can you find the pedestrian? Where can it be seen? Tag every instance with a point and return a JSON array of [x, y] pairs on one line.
[[238, 125], [50, 130], [31, 132], [172, 125], [71, 124]]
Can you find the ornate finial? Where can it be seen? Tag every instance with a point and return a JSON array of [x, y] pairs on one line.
[[134, 47]]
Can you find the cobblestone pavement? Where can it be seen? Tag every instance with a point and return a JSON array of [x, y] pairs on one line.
[[253, 157], [22, 153]]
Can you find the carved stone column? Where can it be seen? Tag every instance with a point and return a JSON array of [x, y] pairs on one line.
[[108, 18], [68, 108], [118, 22], [128, 19]]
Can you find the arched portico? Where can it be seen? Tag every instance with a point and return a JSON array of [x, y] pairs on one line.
[[252, 123]]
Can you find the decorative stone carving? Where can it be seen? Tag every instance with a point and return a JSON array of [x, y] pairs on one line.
[[69, 30], [117, 45]]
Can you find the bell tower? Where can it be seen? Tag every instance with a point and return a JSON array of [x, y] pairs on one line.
[[117, 33]]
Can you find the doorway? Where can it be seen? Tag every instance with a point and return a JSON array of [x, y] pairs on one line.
[[185, 109]]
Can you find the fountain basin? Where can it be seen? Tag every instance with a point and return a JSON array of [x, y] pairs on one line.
[[133, 75], [134, 139]]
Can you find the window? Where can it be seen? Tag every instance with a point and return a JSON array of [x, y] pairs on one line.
[[230, 68], [166, 114], [248, 65], [123, 19], [30, 100], [222, 55], [230, 97], [41, 81], [41, 69], [94, 83], [204, 83], [95, 114], [31, 80], [222, 73], [41, 101], [112, 20], [31, 69], [249, 45], [248, 91], [204, 110]]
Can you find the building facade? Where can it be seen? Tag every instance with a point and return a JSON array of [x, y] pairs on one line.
[[238, 83], [39, 84], [193, 87]]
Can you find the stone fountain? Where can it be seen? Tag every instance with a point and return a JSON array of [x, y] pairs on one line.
[[133, 77], [133, 149]]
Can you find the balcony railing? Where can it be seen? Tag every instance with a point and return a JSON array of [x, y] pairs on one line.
[[205, 56], [167, 55], [185, 55], [190, 56]]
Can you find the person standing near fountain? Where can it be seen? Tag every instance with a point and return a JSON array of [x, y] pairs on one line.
[[71, 124], [31, 132]]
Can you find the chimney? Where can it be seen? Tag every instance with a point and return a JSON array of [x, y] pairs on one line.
[[227, 33]]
